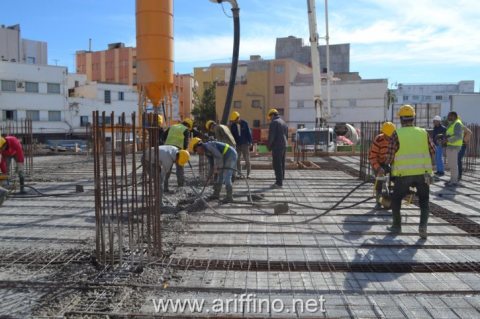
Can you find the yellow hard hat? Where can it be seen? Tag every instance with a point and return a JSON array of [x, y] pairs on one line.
[[234, 116], [2, 141], [193, 143], [183, 157], [189, 122], [160, 120], [388, 128], [406, 110], [271, 112], [209, 124]]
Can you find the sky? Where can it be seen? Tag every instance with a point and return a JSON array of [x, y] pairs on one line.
[[404, 41]]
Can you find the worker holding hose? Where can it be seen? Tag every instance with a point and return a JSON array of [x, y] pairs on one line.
[[223, 160], [167, 156], [11, 149], [411, 152], [377, 157]]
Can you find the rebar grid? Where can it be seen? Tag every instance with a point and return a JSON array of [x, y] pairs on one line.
[[369, 130], [127, 198]]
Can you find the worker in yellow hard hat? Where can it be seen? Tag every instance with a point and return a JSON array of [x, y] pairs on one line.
[[377, 156], [277, 143], [411, 153], [11, 149], [243, 139], [178, 135], [167, 156], [223, 160], [161, 130], [222, 132]]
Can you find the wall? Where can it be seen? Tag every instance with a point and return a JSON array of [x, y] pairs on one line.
[[467, 106], [10, 43]]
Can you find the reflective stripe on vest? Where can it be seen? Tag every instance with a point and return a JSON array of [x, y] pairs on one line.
[[225, 149], [176, 135], [451, 132], [413, 156]]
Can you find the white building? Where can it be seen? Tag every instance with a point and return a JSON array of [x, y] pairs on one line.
[[15, 49], [352, 101], [86, 97], [467, 106], [38, 92], [432, 93]]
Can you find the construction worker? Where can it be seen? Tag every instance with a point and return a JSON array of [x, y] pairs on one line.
[[277, 143], [223, 160], [454, 142], [438, 133], [167, 156], [411, 153], [467, 135], [243, 138], [222, 132], [11, 148], [178, 135], [161, 131], [377, 156]]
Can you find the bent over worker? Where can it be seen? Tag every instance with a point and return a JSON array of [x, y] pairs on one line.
[[222, 133], [377, 156], [11, 149], [412, 153], [223, 160]]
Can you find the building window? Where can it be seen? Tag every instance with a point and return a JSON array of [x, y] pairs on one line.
[[8, 86], [300, 126], [405, 97], [83, 120], [77, 84], [415, 97], [256, 103], [10, 115], [281, 112], [256, 123], [237, 104], [54, 116], [108, 120], [53, 88], [107, 97], [279, 89], [438, 97], [300, 103], [31, 87], [30, 60], [121, 96], [33, 115], [279, 68], [427, 98]]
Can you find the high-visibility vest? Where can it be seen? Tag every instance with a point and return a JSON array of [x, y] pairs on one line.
[[413, 156], [176, 135], [222, 147], [451, 132]]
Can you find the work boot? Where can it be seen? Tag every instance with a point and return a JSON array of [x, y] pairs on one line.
[[229, 197], [22, 184], [377, 205], [216, 192], [422, 232], [394, 229]]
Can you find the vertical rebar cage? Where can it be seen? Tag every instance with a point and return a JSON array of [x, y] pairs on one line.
[[127, 187], [369, 130]]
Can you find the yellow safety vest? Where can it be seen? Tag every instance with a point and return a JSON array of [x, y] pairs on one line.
[[451, 132], [413, 156], [176, 135]]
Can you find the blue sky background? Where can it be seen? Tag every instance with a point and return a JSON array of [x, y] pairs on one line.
[[405, 41]]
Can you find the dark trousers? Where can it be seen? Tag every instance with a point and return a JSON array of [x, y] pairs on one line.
[[401, 188], [278, 157], [461, 154]]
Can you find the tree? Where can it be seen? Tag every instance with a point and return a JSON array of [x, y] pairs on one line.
[[204, 109]]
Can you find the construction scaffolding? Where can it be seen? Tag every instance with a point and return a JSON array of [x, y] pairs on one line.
[[127, 196]]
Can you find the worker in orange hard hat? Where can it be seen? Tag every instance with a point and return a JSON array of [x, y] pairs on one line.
[[277, 143], [377, 156], [222, 132], [243, 138]]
